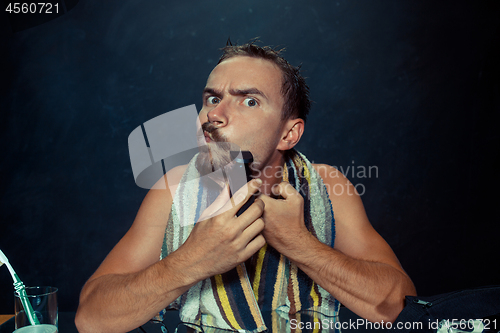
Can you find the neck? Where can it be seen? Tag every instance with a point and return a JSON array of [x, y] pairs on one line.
[[271, 174]]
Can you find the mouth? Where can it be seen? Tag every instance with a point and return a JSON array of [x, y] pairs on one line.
[[207, 137]]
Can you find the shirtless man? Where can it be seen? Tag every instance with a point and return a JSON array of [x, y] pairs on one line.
[[246, 102]]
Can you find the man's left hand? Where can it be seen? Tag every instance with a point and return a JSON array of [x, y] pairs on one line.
[[283, 217]]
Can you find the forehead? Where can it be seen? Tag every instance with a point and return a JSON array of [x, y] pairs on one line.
[[243, 72]]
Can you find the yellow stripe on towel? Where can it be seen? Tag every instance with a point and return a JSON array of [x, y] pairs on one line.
[[252, 304], [295, 286], [279, 283], [258, 271], [225, 302], [314, 296]]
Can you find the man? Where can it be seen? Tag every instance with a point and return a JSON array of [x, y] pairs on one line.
[[256, 100]]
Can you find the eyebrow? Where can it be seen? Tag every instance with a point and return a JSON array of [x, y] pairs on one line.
[[210, 91], [235, 92], [249, 91]]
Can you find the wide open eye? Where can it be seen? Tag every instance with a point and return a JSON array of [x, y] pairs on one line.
[[213, 100], [251, 102]]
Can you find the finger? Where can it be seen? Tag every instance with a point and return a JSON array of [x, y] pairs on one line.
[[222, 199], [252, 230], [252, 213], [284, 189], [244, 193], [240, 197], [265, 198], [255, 245]]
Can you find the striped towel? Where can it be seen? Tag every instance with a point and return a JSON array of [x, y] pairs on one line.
[[268, 281]]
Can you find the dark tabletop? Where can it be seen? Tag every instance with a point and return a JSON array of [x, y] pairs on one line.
[[347, 320]]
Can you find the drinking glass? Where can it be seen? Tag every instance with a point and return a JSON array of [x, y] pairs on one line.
[[43, 300]]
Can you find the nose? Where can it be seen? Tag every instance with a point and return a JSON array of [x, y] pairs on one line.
[[219, 114]]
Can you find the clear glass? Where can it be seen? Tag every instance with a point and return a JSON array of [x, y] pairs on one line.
[[44, 303], [43, 328]]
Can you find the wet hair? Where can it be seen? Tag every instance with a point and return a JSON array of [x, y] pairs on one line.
[[294, 88]]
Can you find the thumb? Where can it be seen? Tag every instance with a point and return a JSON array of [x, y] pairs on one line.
[[219, 203], [285, 190], [243, 194]]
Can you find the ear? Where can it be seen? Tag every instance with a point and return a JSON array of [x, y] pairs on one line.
[[291, 134]]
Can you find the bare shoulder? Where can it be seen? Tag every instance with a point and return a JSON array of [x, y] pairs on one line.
[[355, 235], [155, 208], [160, 197], [346, 202], [341, 191], [140, 247]]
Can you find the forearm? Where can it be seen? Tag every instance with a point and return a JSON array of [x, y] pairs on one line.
[[113, 302], [122, 302], [373, 290]]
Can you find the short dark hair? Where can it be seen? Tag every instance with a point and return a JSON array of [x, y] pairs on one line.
[[294, 88]]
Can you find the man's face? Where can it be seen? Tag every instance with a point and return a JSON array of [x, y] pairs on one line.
[[242, 104]]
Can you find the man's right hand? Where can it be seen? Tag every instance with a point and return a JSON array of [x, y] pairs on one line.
[[132, 285], [221, 240]]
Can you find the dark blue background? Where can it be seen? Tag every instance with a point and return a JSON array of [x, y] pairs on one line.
[[411, 87]]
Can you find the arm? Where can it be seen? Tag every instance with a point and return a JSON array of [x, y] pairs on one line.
[[361, 271], [131, 285]]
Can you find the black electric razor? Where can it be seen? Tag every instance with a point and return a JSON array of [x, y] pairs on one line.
[[241, 163]]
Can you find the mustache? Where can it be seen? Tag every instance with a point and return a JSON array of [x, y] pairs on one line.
[[216, 154], [213, 131]]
